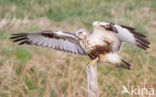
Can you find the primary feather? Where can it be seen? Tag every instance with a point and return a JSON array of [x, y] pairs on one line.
[[125, 34], [59, 40]]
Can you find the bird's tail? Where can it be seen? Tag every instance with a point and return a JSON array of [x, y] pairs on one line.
[[115, 59]]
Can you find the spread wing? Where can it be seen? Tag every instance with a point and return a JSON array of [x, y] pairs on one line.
[[129, 35], [58, 40]]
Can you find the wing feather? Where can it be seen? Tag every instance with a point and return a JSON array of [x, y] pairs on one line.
[[59, 40], [129, 35]]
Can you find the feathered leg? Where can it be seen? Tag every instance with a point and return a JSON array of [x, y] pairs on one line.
[[115, 59]]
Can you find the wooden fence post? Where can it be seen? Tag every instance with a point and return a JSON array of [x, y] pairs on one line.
[[92, 79]]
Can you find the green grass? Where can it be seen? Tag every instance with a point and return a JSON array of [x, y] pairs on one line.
[[28, 71], [22, 54]]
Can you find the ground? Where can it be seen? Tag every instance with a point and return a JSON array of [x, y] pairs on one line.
[[29, 71]]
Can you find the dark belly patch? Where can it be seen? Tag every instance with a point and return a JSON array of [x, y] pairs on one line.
[[98, 50]]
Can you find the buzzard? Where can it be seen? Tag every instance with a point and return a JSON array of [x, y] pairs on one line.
[[101, 46]]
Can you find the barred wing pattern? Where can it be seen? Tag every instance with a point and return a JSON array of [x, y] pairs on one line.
[[58, 40], [129, 35]]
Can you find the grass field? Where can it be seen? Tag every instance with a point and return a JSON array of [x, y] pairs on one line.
[[28, 71]]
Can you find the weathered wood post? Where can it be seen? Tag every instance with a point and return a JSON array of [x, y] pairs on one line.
[[92, 79]]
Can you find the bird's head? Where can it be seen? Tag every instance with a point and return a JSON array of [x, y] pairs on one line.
[[104, 26], [82, 33]]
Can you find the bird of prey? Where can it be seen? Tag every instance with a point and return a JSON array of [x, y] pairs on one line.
[[101, 46]]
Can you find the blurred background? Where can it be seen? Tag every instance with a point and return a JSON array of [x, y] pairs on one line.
[[29, 71]]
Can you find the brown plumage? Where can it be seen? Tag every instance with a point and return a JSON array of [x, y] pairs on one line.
[[101, 46], [99, 50]]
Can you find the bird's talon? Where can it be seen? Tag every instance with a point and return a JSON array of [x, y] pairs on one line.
[[93, 63]]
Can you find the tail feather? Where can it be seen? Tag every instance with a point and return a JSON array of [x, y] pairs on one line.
[[123, 64], [117, 61]]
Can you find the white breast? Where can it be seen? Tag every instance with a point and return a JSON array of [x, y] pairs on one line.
[[99, 37], [96, 39]]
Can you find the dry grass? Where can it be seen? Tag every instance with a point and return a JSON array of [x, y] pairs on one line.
[[28, 71]]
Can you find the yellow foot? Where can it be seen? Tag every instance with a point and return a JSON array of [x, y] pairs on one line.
[[93, 62]]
